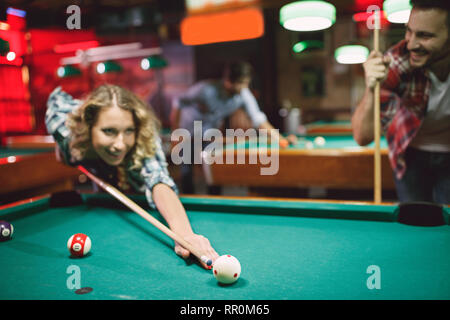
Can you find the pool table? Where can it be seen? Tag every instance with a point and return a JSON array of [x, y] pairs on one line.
[[288, 249], [323, 127], [27, 172], [339, 164], [30, 142]]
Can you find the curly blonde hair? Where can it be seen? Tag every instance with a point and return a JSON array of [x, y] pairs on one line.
[[83, 118]]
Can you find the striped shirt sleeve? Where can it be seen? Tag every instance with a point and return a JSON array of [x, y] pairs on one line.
[[154, 171], [59, 105]]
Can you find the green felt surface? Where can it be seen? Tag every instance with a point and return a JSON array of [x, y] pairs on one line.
[[330, 123], [331, 142], [288, 250]]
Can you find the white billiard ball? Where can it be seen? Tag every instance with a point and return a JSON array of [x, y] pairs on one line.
[[226, 269], [319, 141]]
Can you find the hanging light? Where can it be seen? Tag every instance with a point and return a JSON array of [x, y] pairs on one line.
[[397, 11], [307, 45], [153, 62], [108, 66], [68, 71], [10, 56], [307, 15], [351, 54]]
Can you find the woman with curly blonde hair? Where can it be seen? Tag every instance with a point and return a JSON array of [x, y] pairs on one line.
[[113, 134]]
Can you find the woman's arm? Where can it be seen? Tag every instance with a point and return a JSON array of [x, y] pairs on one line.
[[172, 210]]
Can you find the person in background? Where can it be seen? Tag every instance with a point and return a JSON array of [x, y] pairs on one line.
[[211, 102]]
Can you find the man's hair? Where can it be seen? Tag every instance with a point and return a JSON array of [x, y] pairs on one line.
[[237, 70], [434, 4]]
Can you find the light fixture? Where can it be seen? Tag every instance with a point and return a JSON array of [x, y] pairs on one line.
[[153, 62], [351, 54], [224, 26], [16, 12], [108, 66], [397, 11], [364, 16], [10, 56], [68, 71], [307, 15], [307, 45], [4, 26]]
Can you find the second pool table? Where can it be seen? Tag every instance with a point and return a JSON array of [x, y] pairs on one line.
[[27, 172], [339, 164]]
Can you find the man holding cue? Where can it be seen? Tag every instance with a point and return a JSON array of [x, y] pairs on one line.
[[415, 104]]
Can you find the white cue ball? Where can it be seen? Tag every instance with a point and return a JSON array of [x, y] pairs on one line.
[[320, 141], [226, 269]]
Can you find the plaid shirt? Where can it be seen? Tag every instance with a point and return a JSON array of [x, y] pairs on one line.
[[153, 171], [403, 104]]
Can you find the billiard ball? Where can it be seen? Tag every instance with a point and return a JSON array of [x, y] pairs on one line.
[[309, 145], [284, 143], [79, 244], [319, 141], [6, 230], [226, 269]]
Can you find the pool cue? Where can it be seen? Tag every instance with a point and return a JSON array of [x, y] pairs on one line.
[[137, 209], [377, 154]]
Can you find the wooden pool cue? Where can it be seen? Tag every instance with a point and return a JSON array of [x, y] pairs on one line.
[[377, 124], [137, 209]]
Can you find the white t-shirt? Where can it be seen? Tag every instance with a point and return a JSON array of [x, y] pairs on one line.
[[434, 133]]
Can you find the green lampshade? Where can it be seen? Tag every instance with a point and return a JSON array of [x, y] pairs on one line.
[[397, 11], [306, 45], [153, 62], [68, 71], [4, 47], [108, 66], [307, 15], [351, 54]]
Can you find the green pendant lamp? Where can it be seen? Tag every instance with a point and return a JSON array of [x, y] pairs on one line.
[[108, 66], [307, 45], [153, 62], [68, 71], [307, 15], [397, 11], [351, 54]]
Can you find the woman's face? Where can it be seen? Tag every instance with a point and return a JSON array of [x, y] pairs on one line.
[[113, 135]]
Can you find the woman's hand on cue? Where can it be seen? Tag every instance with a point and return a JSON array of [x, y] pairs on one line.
[[199, 242]]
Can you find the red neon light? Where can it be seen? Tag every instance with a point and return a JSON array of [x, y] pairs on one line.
[[16, 62], [234, 25], [363, 16], [71, 47]]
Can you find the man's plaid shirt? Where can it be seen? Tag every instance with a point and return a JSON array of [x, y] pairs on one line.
[[404, 101]]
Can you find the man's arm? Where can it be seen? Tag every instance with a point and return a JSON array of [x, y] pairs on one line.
[[363, 119], [375, 69]]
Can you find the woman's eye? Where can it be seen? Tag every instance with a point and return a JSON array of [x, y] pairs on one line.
[[108, 131]]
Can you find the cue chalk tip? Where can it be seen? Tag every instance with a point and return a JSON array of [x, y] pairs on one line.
[[206, 260]]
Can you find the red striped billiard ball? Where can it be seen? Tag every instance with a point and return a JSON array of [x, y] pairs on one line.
[[79, 244]]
